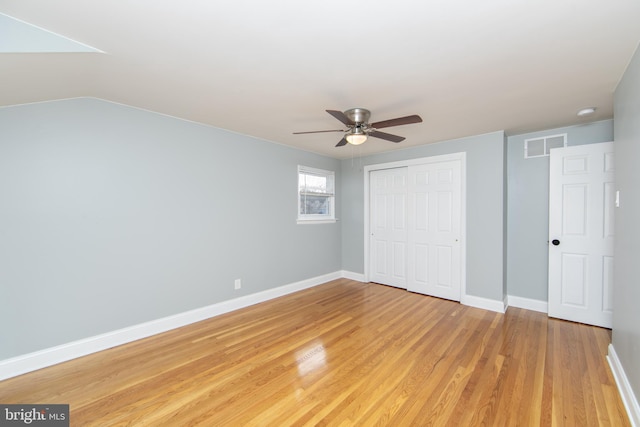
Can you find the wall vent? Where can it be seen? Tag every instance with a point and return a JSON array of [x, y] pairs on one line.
[[540, 147]]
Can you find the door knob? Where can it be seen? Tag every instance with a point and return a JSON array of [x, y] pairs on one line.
[[555, 242]]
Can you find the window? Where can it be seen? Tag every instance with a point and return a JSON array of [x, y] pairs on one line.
[[539, 147], [316, 198]]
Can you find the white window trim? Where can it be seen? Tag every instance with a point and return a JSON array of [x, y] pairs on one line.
[[317, 219]]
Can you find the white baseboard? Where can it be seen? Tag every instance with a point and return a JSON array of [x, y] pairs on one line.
[[626, 392], [352, 276], [51, 356], [484, 303], [528, 304], [470, 300]]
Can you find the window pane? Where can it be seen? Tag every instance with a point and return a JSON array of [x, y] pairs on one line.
[[312, 183], [314, 205]]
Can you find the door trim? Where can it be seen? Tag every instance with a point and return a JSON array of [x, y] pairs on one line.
[[462, 157]]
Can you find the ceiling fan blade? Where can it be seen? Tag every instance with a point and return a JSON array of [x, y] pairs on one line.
[[319, 131], [387, 136], [341, 116], [397, 122], [342, 142]]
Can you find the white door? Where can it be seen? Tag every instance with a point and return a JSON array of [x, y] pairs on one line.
[[434, 249], [581, 204], [388, 227]]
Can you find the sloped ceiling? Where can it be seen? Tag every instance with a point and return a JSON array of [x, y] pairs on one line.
[[268, 69]]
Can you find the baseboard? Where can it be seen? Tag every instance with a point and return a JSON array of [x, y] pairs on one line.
[[352, 276], [528, 304], [51, 356], [626, 392], [470, 300], [484, 303]]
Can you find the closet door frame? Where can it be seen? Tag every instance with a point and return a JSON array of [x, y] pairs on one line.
[[406, 163]]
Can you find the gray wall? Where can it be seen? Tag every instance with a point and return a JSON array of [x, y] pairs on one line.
[[626, 297], [485, 210], [528, 208], [112, 216]]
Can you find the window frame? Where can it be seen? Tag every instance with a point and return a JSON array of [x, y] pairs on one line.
[[317, 218]]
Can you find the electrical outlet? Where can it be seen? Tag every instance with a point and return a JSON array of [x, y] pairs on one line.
[[237, 284]]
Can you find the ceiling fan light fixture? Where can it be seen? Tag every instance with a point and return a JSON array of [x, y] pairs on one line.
[[358, 127], [356, 138]]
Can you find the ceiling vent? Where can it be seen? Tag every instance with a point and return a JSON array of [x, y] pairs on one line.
[[540, 147]]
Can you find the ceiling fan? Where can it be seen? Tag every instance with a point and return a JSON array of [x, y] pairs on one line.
[[359, 128]]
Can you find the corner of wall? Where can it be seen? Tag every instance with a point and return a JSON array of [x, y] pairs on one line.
[[484, 303], [624, 387]]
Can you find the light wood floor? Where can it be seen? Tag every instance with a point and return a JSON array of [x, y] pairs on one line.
[[344, 353]]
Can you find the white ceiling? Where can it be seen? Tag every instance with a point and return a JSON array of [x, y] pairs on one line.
[[268, 69]]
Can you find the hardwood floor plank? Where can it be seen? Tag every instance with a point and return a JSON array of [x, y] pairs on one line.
[[341, 354]]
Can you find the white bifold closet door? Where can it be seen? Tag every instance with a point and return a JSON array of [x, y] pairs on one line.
[[434, 218], [388, 227], [415, 228]]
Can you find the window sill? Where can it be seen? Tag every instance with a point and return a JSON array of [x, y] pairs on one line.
[[316, 221]]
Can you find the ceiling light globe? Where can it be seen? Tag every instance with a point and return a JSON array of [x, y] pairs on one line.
[[356, 139], [586, 111]]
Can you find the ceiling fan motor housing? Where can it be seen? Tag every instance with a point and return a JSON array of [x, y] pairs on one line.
[[358, 115]]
